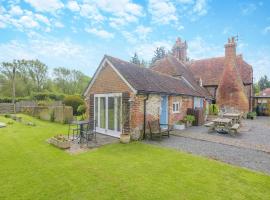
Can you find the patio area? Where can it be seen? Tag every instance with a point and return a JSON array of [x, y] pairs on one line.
[[101, 140], [253, 134]]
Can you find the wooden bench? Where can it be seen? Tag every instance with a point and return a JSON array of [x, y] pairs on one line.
[[209, 124], [235, 127], [156, 131]]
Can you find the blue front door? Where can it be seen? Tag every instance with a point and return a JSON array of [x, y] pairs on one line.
[[164, 111]]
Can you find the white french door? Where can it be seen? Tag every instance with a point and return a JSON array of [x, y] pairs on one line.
[[108, 108]]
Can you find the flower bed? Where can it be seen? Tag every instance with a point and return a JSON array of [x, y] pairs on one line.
[[60, 141]]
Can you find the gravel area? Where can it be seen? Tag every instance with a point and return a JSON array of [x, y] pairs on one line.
[[252, 159]]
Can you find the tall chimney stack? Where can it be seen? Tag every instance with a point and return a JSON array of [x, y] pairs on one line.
[[230, 91], [179, 50]]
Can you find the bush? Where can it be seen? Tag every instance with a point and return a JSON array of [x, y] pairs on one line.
[[9, 99], [213, 109], [251, 115], [74, 101], [81, 109], [189, 118], [43, 96]]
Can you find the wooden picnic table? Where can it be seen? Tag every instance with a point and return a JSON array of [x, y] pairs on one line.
[[222, 125], [236, 117]]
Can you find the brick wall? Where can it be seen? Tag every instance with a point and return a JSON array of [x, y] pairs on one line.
[[185, 103], [108, 81]]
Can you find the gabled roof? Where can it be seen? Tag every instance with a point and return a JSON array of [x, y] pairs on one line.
[[210, 70], [172, 66], [145, 80]]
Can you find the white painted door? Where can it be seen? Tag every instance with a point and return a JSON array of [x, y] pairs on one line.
[[108, 114]]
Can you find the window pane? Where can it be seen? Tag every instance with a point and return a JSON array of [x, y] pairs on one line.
[[119, 113], [96, 109], [111, 113], [102, 112], [173, 107]]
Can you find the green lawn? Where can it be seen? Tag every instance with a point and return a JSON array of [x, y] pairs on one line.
[[32, 169]]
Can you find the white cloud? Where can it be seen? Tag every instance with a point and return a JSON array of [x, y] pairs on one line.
[[100, 33], [185, 1], [65, 53], [2, 25], [46, 5], [28, 22], [129, 37], [266, 30], [143, 31], [42, 19], [59, 24], [260, 62], [91, 12], [123, 11], [146, 50], [200, 7], [248, 8], [199, 48], [163, 12], [16, 10], [73, 6]]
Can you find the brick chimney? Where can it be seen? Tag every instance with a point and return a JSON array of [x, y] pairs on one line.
[[179, 50], [230, 91]]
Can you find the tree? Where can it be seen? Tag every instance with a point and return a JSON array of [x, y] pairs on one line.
[[70, 81], [256, 88], [38, 72], [9, 70], [159, 53], [264, 82], [135, 59]]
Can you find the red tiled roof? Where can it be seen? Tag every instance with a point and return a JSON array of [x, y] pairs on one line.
[[265, 93], [210, 70], [173, 67], [147, 80]]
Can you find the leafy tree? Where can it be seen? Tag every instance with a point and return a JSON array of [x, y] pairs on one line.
[[256, 88], [9, 70], [159, 53], [135, 59], [264, 82], [38, 73], [70, 81]]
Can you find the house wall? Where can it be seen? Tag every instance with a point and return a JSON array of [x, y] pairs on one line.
[[107, 81], [185, 103]]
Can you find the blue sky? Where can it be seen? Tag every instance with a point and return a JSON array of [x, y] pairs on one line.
[[76, 34]]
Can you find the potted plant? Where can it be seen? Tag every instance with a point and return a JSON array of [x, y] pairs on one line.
[[125, 136], [251, 115], [179, 125], [60, 141], [189, 119]]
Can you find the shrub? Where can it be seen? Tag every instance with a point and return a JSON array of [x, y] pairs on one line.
[[251, 115], [189, 118], [81, 109], [74, 101], [9, 99], [213, 109], [43, 96]]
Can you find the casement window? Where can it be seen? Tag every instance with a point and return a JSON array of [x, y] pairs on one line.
[[176, 107]]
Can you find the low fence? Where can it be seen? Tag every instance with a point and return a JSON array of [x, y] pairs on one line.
[[6, 108], [55, 111], [62, 114]]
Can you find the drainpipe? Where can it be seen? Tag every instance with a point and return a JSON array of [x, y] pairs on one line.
[[144, 115]]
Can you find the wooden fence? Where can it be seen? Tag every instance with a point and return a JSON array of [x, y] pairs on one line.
[[6, 108]]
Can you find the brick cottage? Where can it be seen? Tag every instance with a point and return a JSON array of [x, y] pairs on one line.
[[165, 90]]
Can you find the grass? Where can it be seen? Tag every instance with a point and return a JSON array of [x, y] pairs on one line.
[[32, 169]]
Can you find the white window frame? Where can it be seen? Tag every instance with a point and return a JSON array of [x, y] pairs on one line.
[[174, 106]]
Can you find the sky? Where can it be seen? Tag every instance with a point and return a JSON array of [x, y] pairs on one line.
[[77, 34]]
